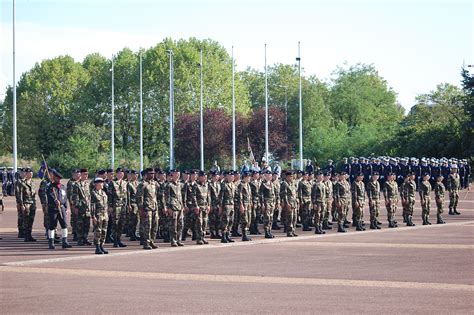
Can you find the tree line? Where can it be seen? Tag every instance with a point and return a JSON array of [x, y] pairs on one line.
[[64, 111]]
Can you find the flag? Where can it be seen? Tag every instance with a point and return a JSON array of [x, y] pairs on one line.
[[42, 171], [251, 157]]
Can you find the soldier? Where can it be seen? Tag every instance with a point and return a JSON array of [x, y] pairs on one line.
[[255, 216], [445, 171], [99, 213], [132, 205], [244, 200], [424, 168], [409, 191], [329, 200], [277, 212], [289, 200], [27, 199], [267, 201], [342, 194], [404, 203], [80, 201], [18, 183], [454, 184], [318, 197], [465, 185], [462, 173], [236, 223], [147, 206], [373, 194], [366, 170], [174, 208], [334, 180], [329, 167], [75, 176], [118, 195], [109, 178], [226, 204], [304, 198], [439, 196], [161, 183], [57, 209], [214, 190], [358, 200], [201, 206], [425, 191], [356, 168], [44, 200], [346, 166], [390, 192], [189, 214]]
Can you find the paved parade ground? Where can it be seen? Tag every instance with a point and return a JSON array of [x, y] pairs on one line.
[[422, 269]]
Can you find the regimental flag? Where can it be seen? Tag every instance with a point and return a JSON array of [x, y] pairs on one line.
[[43, 169], [251, 157]]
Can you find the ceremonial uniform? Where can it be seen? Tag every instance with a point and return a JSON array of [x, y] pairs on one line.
[[267, 201], [390, 192], [99, 212], [81, 200], [174, 203], [27, 200], [57, 212], [147, 204], [373, 194], [454, 184], [304, 197], [425, 190], [289, 200]]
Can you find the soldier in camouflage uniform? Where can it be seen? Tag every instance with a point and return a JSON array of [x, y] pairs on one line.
[[99, 213], [147, 205], [214, 220], [334, 180], [304, 198], [200, 205], [373, 194], [226, 203], [267, 201], [439, 196], [425, 200], [244, 201], [318, 196], [27, 199], [342, 194], [174, 208], [132, 206], [390, 193], [358, 201], [75, 175], [236, 223], [256, 212], [404, 204], [81, 200], [109, 178], [277, 212], [190, 215], [44, 200], [18, 184], [289, 200], [161, 183], [454, 184], [329, 201], [409, 191], [118, 195]]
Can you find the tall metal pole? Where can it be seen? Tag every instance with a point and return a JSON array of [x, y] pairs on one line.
[[201, 120], [113, 119], [171, 110], [301, 109], [266, 107], [141, 114], [234, 164], [15, 157]]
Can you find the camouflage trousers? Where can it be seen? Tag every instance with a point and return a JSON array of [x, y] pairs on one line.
[[255, 212], [227, 218], [343, 210], [319, 208], [374, 209], [235, 224], [410, 206], [100, 228], [267, 210], [162, 221], [133, 219], [440, 205], [453, 199], [73, 221], [175, 226], [150, 226], [201, 219], [391, 209], [306, 212], [19, 222], [327, 209], [118, 220], [291, 218], [28, 217], [214, 220], [190, 219], [83, 222], [425, 208], [359, 211], [276, 213], [245, 218]]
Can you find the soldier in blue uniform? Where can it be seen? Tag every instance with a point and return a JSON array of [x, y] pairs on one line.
[[424, 169], [346, 166]]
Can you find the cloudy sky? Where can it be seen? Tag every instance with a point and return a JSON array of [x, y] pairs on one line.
[[415, 45]]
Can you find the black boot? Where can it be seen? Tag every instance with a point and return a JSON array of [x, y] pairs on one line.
[[184, 235], [428, 220], [228, 238], [103, 249], [320, 229], [410, 221], [74, 237], [51, 243], [145, 246], [359, 226], [275, 226], [391, 224], [235, 233], [451, 211], [224, 238], [256, 229], [213, 235], [440, 220], [245, 238], [268, 234], [455, 211], [354, 223], [29, 238], [98, 250], [120, 244], [306, 227], [65, 244], [373, 225], [341, 229], [326, 225], [425, 222]]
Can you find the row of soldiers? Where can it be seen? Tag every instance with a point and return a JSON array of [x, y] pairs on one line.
[[168, 205]]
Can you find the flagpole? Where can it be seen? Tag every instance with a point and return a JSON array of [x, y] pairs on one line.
[[266, 107], [171, 118], [141, 114], [113, 120], [201, 121], [300, 108], [234, 166], [15, 157]]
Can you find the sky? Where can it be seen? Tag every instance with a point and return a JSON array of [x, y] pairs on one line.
[[414, 45]]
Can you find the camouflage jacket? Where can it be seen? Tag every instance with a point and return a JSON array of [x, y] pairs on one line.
[[118, 193], [173, 197], [289, 194], [99, 202], [373, 190], [390, 190], [214, 190], [27, 194], [454, 182], [304, 191], [358, 192], [318, 192], [267, 193], [146, 195], [425, 190], [80, 196], [439, 190], [227, 194]]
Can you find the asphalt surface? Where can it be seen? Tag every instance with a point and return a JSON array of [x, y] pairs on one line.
[[422, 269]]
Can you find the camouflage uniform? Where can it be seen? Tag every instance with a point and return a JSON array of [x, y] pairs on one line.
[[454, 184], [342, 195], [425, 191], [256, 211], [226, 202], [44, 201], [18, 184], [409, 191], [174, 203], [147, 204], [118, 200], [244, 201], [132, 208], [236, 222], [289, 199], [318, 196], [163, 218], [329, 203], [267, 201], [439, 194], [373, 194], [358, 202], [80, 200], [214, 225], [99, 211], [27, 198], [277, 212], [201, 200], [69, 187], [390, 192], [304, 197]]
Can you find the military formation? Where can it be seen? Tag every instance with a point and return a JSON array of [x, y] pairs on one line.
[[173, 206]]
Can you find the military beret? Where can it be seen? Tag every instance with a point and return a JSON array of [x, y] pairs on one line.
[[119, 169], [336, 174], [360, 174], [149, 170], [98, 180], [391, 174], [132, 171], [101, 172], [276, 173], [245, 174], [109, 170], [289, 173], [343, 173], [327, 174], [57, 174], [202, 173], [76, 170], [84, 170], [426, 174], [28, 170], [376, 173], [319, 173], [143, 172], [194, 172]]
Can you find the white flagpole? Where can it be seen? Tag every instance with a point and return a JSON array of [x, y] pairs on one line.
[[234, 166], [141, 114], [113, 119], [201, 121], [15, 157], [301, 108], [266, 107]]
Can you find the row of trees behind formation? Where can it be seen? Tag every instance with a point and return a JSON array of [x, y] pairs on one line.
[[64, 111]]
